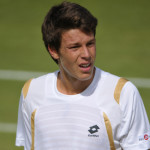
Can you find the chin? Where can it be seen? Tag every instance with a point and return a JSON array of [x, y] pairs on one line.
[[86, 77]]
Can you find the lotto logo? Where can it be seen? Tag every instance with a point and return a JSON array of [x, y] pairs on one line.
[[93, 129], [146, 137]]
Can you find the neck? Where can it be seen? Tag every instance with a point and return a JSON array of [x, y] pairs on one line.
[[72, 86]]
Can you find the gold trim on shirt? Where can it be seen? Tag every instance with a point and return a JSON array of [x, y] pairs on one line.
[[26, 88], [118, 89], [109, 132], [33, 128]]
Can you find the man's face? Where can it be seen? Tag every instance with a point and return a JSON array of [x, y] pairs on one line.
[[77, 55]]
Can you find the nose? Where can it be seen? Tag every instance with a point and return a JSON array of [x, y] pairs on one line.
[[85, 53]]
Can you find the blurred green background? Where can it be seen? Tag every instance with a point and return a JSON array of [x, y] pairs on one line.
[[123, 41]]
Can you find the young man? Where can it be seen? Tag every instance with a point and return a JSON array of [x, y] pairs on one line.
[[79, 107]]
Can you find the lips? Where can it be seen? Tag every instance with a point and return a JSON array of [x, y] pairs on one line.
[[85, 65]]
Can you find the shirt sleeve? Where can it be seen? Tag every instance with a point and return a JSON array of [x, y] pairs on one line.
[[20, 139], [134, 130]]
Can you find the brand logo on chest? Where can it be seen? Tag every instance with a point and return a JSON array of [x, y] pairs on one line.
[[93, 129]]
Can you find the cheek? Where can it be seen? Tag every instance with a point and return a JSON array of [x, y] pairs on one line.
[[71, 57], [66, 60], [93, 53]]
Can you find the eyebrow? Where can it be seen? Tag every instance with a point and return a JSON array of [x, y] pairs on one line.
[[92, 40], [77, 43]]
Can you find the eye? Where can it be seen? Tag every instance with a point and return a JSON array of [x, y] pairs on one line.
[[74, 47], [92, 43]]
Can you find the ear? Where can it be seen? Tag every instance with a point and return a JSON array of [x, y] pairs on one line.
[[53, 52]]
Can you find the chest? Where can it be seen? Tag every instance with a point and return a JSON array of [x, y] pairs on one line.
[[69, 127]]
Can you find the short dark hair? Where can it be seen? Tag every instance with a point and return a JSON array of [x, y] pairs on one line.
[[63, 17]]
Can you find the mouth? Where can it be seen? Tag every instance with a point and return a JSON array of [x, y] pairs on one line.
[[85, 65]]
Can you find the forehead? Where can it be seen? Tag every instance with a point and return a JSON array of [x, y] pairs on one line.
[[76, 36]]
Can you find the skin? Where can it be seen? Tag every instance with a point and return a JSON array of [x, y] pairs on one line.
[[76, 61]]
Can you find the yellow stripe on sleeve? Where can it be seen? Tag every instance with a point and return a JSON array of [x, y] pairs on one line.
[[26, 88], [118, 89]]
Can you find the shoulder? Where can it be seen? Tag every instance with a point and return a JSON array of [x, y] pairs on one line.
[[122, 88], [107, 77], [34, 92], [36, 86], [130, 97], [114, 82], [33, 85], [114, 85], [26, 88], [124, 92]]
